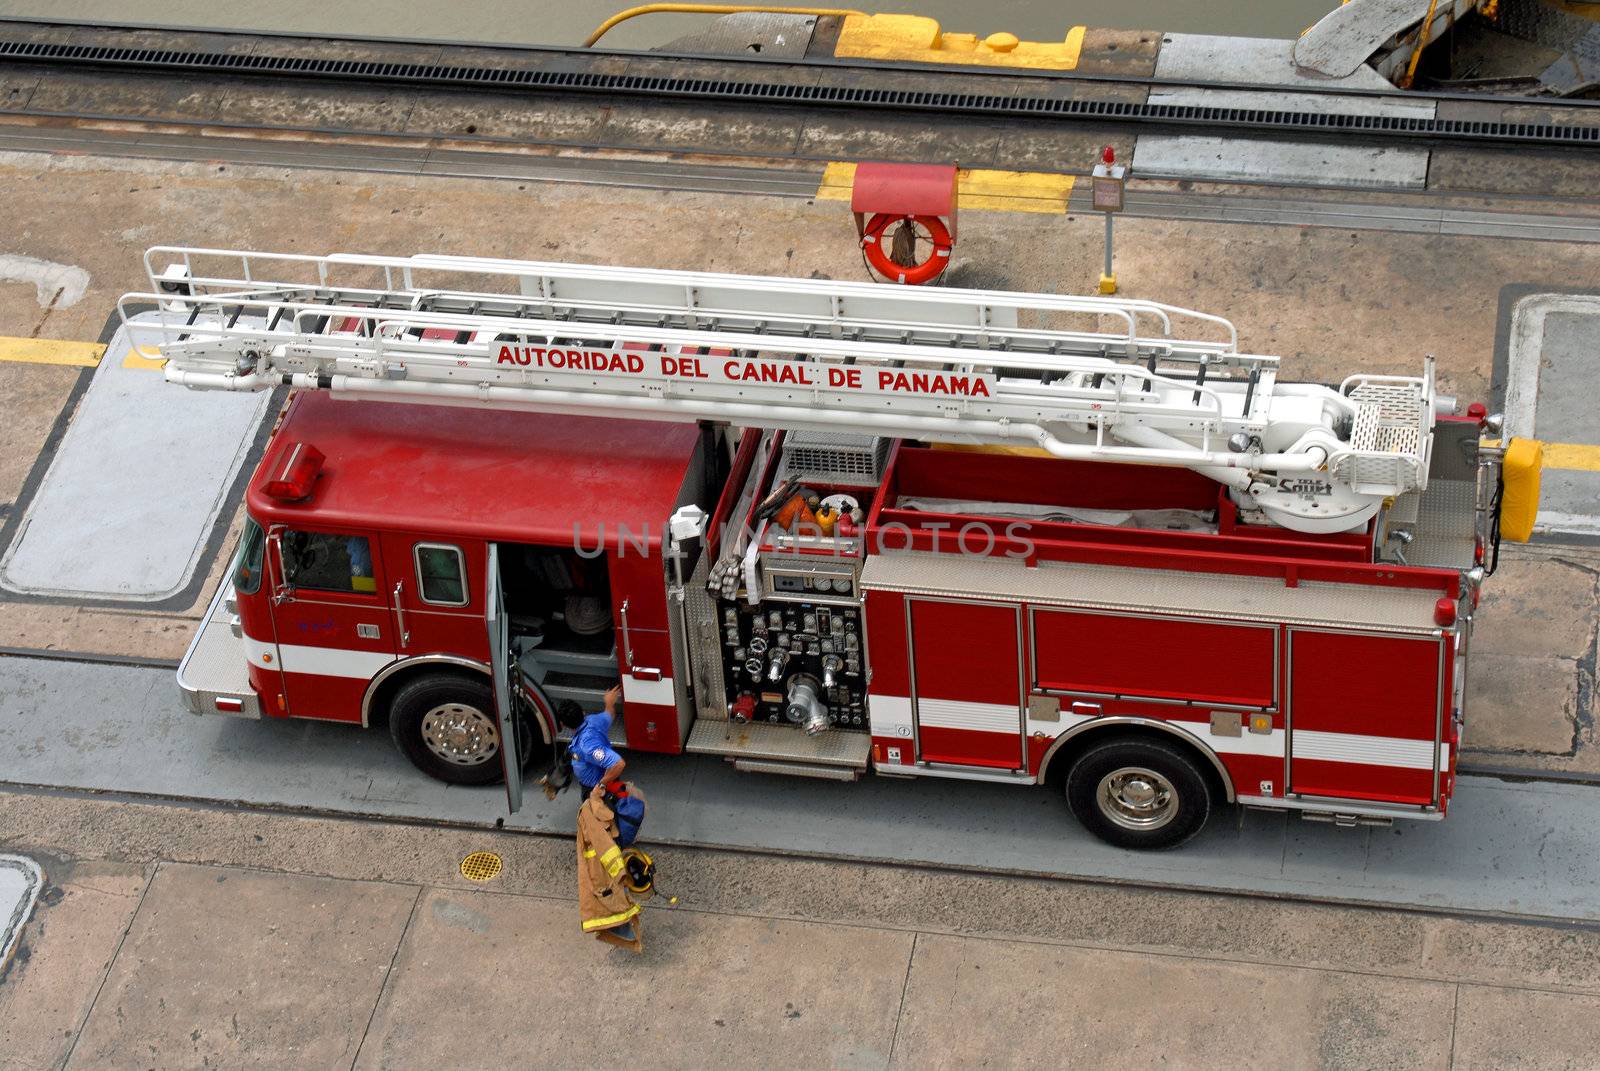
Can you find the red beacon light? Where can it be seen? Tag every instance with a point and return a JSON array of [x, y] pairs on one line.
[[297, 474], [1444, 613], [1108, 156]]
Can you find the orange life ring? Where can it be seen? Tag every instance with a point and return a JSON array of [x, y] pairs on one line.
[[873, 241]]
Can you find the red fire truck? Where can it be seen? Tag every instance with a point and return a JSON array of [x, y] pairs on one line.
[[819, 528]]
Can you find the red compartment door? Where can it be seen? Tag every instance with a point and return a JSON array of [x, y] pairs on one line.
[[967, 673], [1364, 715]]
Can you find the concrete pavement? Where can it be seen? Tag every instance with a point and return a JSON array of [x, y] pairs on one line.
[[1525, 849], [175, 936]]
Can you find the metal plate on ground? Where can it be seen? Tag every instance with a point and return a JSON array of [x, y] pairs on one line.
[[1341, 41], [1270, 63], [134, 496], [20, 881], [1552, 366], [1278, 162]]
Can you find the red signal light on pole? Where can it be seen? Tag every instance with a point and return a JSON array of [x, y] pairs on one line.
[[1108, 155]]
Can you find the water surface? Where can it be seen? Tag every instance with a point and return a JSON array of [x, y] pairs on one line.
[[568, 22]]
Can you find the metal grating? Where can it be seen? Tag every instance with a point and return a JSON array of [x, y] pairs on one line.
[[835, 459], [481, 866], [1364, 429], [705, 644], [1395, 402], [1386, 437], [1260, 120]]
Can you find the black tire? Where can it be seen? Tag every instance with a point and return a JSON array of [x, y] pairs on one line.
[[1139, 793], [459, 744]]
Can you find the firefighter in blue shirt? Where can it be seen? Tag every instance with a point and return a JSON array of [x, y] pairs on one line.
[[594, 762]]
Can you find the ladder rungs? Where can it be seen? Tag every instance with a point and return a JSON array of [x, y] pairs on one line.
[[802, 307]]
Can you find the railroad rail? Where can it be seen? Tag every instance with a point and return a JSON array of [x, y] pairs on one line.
[[561, 78]]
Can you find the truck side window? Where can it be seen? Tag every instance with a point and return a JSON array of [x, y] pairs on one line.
[[327, 562], [247, 564], [441, 574]]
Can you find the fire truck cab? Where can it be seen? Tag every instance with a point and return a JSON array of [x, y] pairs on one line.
[[361, 581]]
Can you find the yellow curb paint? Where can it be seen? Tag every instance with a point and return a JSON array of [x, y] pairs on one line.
[[1575, 457], [837, 181], [996, 191], [1073, 47], [144, 357], [1572, 456], [51, 351], [920, 40], [1014, 191]]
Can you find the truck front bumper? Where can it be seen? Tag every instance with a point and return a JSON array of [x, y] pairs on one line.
[[214, 675]]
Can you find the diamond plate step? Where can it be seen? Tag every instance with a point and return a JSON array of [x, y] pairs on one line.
[[783, 743]]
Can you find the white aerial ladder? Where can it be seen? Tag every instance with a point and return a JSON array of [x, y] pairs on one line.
[[1089, 378]]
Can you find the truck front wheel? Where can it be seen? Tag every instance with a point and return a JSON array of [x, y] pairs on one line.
[[445, 724], [1140, 793]]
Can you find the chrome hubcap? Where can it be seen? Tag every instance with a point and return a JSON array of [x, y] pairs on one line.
[[1137, 798], [460, 734]]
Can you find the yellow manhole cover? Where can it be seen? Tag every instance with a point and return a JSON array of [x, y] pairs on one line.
[[481, 866]]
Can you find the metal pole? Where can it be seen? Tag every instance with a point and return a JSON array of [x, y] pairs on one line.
[[1108, 279]]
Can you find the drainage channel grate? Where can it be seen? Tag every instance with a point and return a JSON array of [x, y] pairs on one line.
[[481, 866], [1252, 120]]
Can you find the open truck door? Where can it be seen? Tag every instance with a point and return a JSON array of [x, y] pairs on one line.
[[494, 616]]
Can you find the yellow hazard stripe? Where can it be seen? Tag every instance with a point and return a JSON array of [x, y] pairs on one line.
[[997, 191], [51, 351], [612, 860], [919, 39], [608, 921], [146, 357], [1580, 457], [588, 853]]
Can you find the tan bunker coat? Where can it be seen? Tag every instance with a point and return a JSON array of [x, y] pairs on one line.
[[604, 902]]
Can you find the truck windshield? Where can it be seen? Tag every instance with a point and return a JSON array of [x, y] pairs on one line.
[[247, 563]]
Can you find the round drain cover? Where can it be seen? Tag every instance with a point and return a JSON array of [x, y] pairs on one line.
[[481, 866]]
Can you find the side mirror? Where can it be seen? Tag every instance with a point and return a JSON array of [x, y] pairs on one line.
[[282, 590]]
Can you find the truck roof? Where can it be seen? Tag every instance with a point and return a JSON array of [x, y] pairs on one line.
[[484, 473]]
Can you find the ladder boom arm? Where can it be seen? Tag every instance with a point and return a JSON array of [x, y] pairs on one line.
[[945, 365]]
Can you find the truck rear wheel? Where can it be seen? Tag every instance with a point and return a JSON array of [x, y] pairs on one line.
[[445, 724], [1139, 793]]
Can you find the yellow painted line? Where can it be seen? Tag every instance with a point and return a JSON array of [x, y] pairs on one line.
[[147, 357], [51, 351], [1014, 191], [1580, 457], [1576, 457], [918, 39], [1073, 47], [999, 191], [837, 180]]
